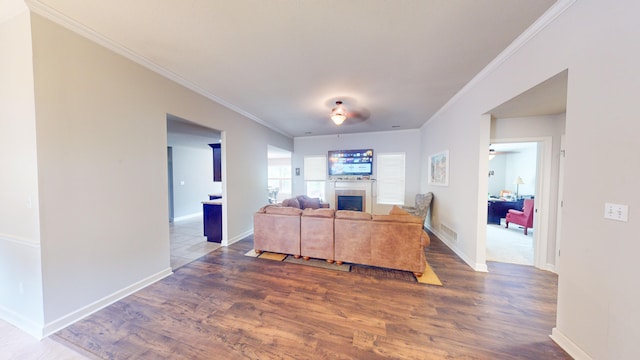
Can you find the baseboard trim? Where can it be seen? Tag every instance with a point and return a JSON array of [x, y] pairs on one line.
[[237, 238], [187, 217], [25, 324], [61, 323], [475, 266], [569, 346], [19, 240], [550, 267]]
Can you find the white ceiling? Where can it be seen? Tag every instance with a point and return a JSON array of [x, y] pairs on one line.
[[285, 62], [547, 98]]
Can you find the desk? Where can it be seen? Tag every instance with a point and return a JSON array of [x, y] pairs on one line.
[[498, 209]]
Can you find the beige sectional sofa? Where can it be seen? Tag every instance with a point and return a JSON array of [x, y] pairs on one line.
[[277, 229], [394, 241], [389, 241]]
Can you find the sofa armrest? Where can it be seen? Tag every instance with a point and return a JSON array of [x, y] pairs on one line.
[[425, 240]]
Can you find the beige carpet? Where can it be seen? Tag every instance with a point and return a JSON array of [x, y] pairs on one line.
[[428, 277], [509, 245]]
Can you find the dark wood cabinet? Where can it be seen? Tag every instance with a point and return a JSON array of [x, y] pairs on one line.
[[212, 218], [217, 162]]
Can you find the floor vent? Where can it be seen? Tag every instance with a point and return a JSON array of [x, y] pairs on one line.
[[449, 232]]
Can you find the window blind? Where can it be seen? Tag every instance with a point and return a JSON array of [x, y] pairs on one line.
[[315, 168], [390, 179]]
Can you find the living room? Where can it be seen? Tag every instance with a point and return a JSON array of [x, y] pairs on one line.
[[66, 262]]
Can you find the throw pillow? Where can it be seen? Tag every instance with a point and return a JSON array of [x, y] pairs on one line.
[[310, 203], [293, 202]]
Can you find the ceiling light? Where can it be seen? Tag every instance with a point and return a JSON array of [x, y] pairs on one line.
[[338, 114]]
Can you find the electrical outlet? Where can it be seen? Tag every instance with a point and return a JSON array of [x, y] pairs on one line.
[[616, 212]]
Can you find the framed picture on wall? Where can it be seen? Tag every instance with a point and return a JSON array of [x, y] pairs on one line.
[[439, 168]]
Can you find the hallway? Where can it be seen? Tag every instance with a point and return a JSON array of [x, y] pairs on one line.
[[188, 242]]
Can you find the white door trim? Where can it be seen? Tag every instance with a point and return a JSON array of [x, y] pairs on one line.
[[542, 200]]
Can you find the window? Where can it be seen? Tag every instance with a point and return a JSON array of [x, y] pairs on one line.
[[278, 174], [390, 169], [315, 174]]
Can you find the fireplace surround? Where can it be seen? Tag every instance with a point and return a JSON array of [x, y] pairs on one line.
[[362, 188]]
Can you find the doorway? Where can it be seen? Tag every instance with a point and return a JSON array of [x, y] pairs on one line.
[[278, 174], [512, 180], [536, 115], [192, 181]]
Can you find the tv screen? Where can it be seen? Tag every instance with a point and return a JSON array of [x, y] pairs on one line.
[[350, 162]]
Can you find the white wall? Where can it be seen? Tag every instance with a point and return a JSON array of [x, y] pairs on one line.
[[597, 41], [102, 169], [192, 179], [20, 270], [521, 164], [507, 167], [407, 141], [497, 180]]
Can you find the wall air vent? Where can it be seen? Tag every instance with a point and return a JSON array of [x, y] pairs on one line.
[[448, 232]]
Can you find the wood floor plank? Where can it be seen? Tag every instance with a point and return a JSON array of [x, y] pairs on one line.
[[230, 306]]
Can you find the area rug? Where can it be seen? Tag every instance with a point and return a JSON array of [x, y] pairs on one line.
[[318, 263], [428, 277], [266, 255], [291, 259]]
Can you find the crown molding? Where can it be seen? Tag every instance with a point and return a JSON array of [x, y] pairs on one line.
[[543, 21], [82, 30]]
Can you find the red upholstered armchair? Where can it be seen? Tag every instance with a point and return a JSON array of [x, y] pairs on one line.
[[524, 217]]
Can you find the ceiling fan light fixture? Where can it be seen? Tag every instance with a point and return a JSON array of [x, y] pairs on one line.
[[338, 114]]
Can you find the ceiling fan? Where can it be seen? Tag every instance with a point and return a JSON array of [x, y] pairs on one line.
[[493, 152], [340, 112]]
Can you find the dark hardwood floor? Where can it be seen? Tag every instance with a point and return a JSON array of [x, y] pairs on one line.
[[229, 306]]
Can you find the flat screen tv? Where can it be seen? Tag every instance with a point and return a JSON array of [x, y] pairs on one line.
[[350, 162]]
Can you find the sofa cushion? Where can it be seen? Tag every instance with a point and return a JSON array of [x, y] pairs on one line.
[[263, 209], [283, 210], [396, 210], [322, 213], [398, 218], [352, 215]]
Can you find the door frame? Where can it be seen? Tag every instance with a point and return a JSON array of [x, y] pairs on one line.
[[542, 199]]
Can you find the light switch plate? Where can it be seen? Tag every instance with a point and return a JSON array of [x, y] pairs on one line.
[[616, 212]]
